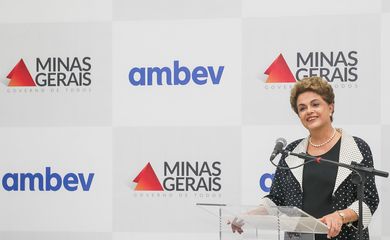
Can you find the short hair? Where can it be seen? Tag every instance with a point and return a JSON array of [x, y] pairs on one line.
[[312, 84]]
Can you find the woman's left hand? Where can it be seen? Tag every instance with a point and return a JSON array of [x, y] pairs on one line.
[[334, 222]]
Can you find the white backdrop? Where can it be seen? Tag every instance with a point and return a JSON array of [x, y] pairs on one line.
[[206, 140]]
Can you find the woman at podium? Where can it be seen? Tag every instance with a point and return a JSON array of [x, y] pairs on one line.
[[324, 190]]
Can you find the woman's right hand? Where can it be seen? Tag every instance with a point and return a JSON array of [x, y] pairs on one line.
[[236, 225]]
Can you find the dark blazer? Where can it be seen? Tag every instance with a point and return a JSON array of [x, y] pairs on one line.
[[286, 189]]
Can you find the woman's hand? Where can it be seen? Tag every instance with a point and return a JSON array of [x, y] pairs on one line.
[[236, 225], [334, 221], [237, 222]]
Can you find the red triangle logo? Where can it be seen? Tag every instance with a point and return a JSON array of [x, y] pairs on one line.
[[147, 180], [279, 72], [20, 76]]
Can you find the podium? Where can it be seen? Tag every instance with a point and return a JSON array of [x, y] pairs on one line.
[[264, 222]]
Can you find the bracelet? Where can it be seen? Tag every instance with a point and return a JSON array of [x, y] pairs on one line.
[[342, 215]]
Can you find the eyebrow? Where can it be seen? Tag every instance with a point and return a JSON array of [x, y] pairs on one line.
[[302, 104]]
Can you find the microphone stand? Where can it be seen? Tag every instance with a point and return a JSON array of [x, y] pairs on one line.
[[358, 178]]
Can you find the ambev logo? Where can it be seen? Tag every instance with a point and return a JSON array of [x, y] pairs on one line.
[[265, 181], [48, 181], [176, 75]]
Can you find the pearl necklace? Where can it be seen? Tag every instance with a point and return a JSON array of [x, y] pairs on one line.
[[326, 142]]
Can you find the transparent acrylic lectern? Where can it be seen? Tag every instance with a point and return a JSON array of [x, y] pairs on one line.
[[264, 222]]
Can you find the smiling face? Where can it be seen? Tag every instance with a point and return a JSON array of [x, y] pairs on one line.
[[313, 111]]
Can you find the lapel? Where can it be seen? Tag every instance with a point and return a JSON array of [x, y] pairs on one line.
[[293, 161], [349, 151]]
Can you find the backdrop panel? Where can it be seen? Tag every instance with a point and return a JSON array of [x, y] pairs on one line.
[[253, 8], [70, 74], [55, 11], [385, 63], [53, 179], [175, 9], [190, 76], [187, 165], [345, 60]]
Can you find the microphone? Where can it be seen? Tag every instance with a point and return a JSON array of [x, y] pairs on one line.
[[280, 144]]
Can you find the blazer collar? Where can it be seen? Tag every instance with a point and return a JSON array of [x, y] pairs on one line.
[[349, 151]]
